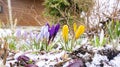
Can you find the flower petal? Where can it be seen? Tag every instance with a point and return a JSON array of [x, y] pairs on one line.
[[52, 31], [18, 33], [79, 31], [23, 57], [65, 33], [57, 27]]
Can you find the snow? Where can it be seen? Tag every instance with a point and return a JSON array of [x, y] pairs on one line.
[[116, 61]]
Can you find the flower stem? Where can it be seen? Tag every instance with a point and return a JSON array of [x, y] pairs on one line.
[[65, 45], [72, 44]]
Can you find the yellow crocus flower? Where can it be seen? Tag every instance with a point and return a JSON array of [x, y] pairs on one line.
[[74, 27], [65, 33], [79, 31]]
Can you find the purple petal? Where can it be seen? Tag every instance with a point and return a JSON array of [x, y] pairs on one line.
[[18, 33], [23, 57], [47, 24], [25, 34], [31, 35], [52, 31], [46, 35], [45, 29], [57, 27], [38, 37], [43, 34], [46, 32], [76, 63], [31, 65]]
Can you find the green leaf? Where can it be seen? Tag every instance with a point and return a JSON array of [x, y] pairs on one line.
[[96, 41], [12, 46]]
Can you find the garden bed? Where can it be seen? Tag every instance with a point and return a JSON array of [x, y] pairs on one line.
[[49, 47]]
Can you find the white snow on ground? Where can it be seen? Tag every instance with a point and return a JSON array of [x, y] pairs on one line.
[[97, 60], [116, 61], [43, 60]]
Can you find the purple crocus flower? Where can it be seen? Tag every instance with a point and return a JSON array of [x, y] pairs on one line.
[[31, 65], [53, 31], [23, 58], [40, 35], [18, 33], [25, 34], [48, 32], [47, 24], [31, 35], [57, 27], [76, 63], [44, 34]]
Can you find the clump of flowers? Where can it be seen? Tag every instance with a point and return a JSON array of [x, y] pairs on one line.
[[47, 35], [24, 61], [53, 31], [34, 40], [77, 33]]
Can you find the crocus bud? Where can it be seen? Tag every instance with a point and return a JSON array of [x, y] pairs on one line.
[[23, 57], [65, 31], [57, 27], [79, 31]]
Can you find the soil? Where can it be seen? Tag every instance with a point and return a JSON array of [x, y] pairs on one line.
[[81, 50], [110, 53]]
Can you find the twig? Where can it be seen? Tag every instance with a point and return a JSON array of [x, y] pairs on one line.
[[6, 53]]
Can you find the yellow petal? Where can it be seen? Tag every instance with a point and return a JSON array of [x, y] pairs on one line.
[[79, 31], [74, 27], [65, 33]]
